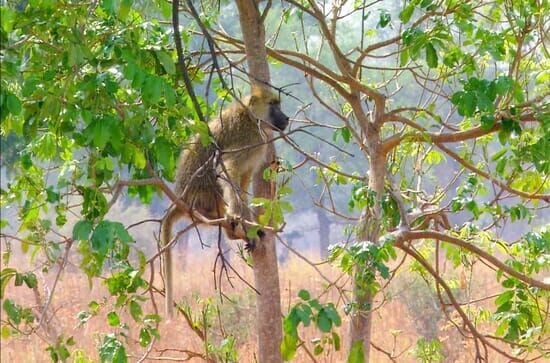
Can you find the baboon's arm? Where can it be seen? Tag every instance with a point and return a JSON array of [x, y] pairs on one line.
[[230, 182]]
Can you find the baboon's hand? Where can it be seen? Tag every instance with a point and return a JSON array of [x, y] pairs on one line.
[[236, 228], [233, 218], [236, 222]]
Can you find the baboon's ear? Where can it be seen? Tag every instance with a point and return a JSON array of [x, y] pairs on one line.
[[254, 98], [255, 95]]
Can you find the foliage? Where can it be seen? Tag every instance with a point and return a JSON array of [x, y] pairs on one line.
[[429, 351], [204, 315], [89, 93], [325, 318]]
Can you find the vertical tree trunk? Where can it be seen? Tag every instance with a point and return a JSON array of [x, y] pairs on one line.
[[361, 320], [324, 232], [369, 224], [266, 270]]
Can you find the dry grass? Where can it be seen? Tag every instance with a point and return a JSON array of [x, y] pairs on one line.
[[396, 327]]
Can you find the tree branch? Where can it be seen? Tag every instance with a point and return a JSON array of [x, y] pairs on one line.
[[404, 236]]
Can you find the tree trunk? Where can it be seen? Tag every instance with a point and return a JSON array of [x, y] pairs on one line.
[[253, 31], [266, 271], [370, 223], [324, 232]]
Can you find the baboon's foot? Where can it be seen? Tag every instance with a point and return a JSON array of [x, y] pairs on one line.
[[261, 233], [250, 245]]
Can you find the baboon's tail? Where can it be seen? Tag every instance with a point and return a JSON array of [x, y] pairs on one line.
[[166, 236]]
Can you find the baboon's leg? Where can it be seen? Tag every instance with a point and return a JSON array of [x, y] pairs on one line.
[[247, 213], [230, 184], [244, 184], [168, 221]]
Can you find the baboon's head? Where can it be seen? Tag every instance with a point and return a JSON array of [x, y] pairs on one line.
[[267, 106]]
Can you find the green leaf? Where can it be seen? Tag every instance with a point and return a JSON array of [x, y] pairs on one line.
[[501, 165], [152, 318], [166, 10], [82, 230], [5, 276], [135, 311], [5, 332], [101, 133], [163, 152], [95, 204], [304, 294], [122, 233], [385, 18], [503, 136], [18, 279], [139, 158], [103, 237], [504, 297], [167, 62], [112, 350], [333, 315], [13, 104], [108, 6], [323, 321], [403, 58], [498, 155], [7, 17], [289, 345], [336, 341], [144, 337], [318, 349], [169, 94], [125, 7], [304, 314], [466, 103], [503, 85], [12, 310], [152, 89], [431, 55], [407, 13], [129, 70], [509, 125], [75, 55], [30, 280], [51, 196], [357, 353], [487, 122], [113, 319]]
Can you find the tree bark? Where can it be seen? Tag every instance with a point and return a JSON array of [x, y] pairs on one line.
[[253, 31], [361, 319], [264, 256], [324, 232]]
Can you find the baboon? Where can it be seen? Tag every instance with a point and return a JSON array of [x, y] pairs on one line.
[[215, 184]]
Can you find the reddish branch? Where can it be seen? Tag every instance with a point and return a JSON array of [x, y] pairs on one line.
[[401, 237], [471, 327]]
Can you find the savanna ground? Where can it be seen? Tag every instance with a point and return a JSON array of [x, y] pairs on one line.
[[410, 313]]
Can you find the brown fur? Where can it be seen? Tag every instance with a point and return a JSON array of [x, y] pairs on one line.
[[216, 189]]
